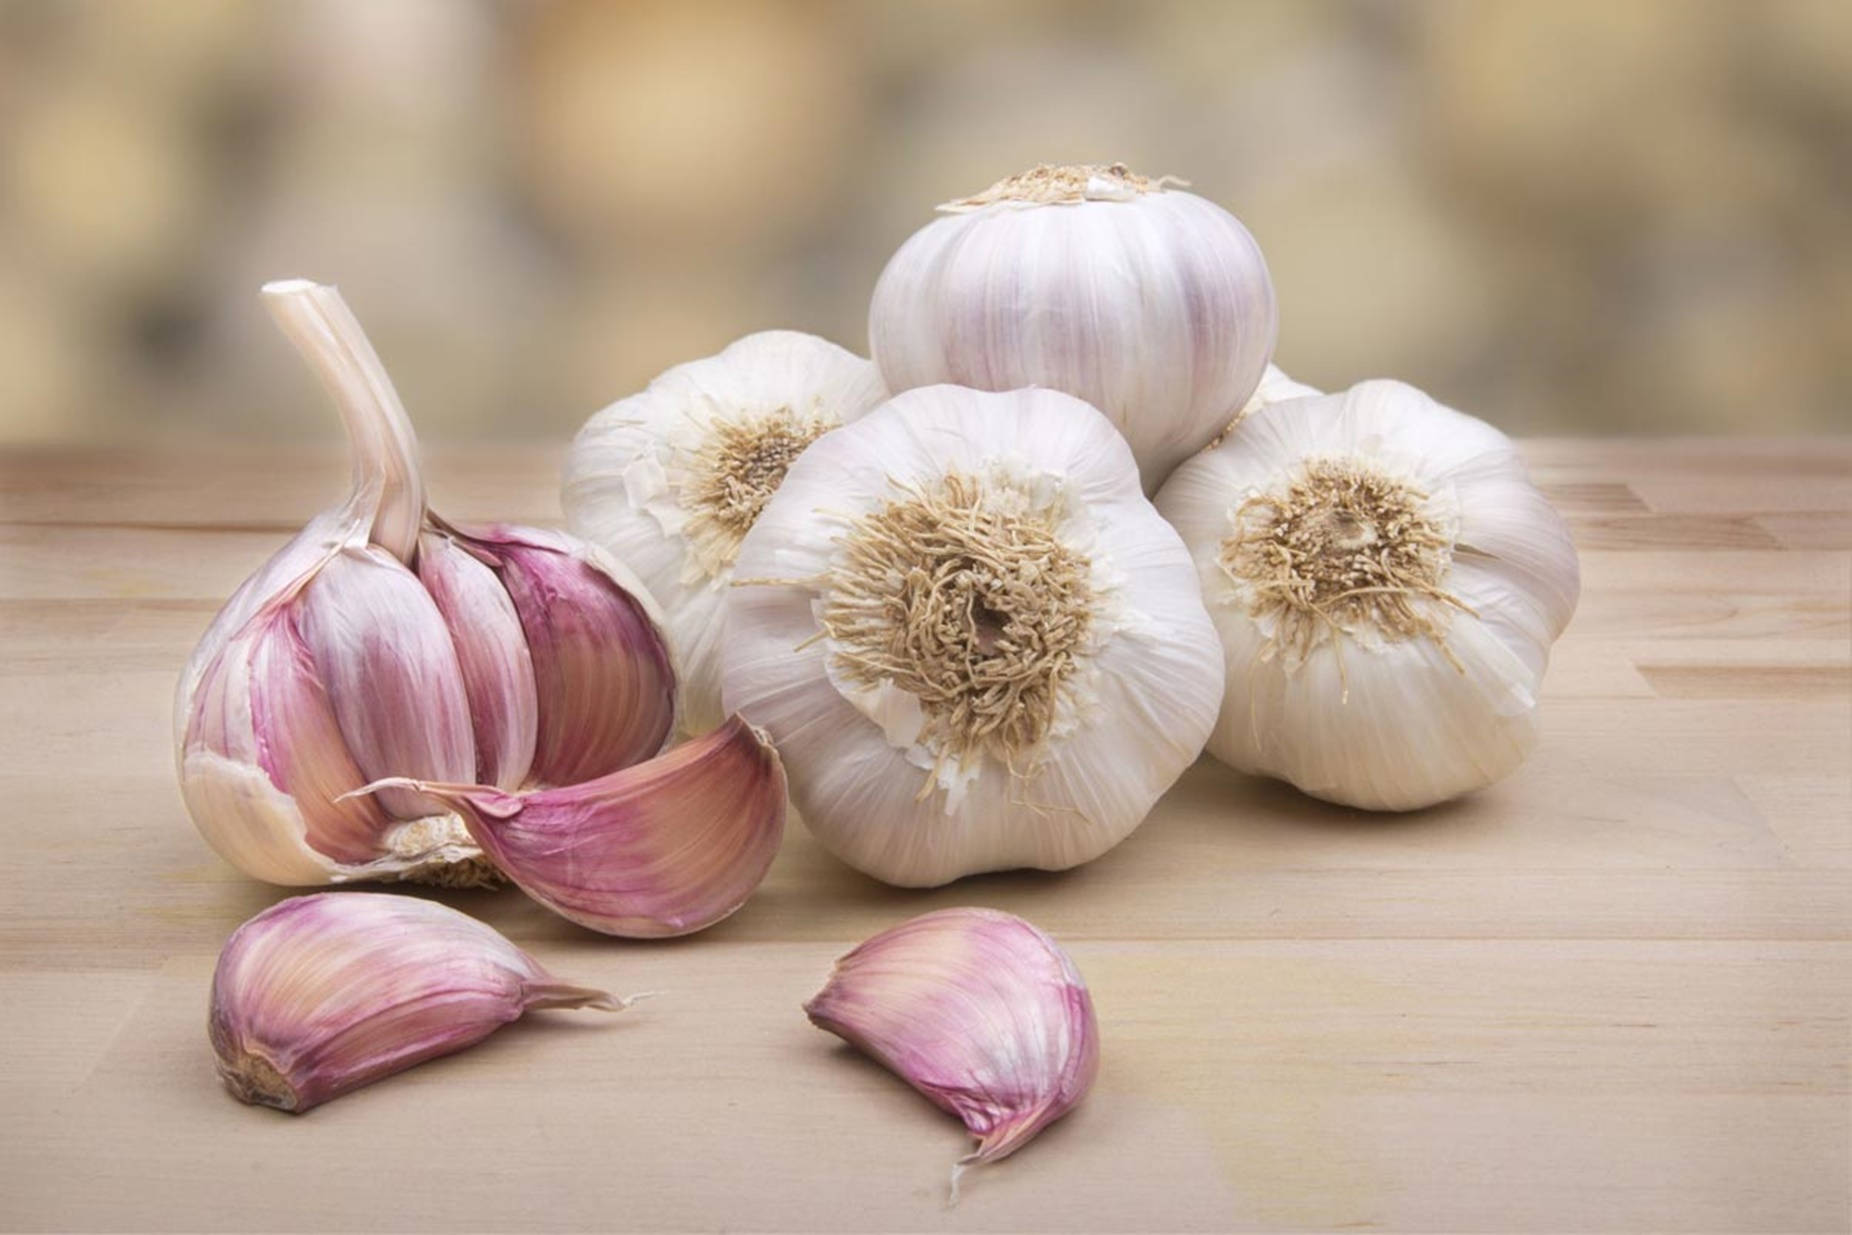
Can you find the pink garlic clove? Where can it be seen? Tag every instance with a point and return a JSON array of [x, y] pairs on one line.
[[498, 673], [663, 848], [978, 1010], [319, 995]]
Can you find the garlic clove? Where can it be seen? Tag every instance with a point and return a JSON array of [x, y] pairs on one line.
[[400, 700], [663, 848], [319, 995], [979, 1011], [603, 674], [498, 672]]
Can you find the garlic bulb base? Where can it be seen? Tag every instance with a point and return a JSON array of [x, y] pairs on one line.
[[1049, 184]]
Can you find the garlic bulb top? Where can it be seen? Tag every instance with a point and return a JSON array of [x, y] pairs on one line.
[[670, 480], [972, 639], [1152, 304], [1387, 583], [382, 641]]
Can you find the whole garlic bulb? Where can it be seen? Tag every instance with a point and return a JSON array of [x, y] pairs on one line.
[[382, 641], [973, 641], [670, 480], [1387, 583], [1149, 303]]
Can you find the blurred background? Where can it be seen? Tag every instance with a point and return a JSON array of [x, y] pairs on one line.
[[1615, 216]]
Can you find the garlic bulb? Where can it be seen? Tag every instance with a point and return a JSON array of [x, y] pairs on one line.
[[974, 642], [382, 641], [1275, 387], [319, 995], [979, 1011], [1152, 304], [1387, 584], [670, 480], [662, 848]]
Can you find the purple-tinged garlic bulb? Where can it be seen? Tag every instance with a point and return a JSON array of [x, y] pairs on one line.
[[382, 641], [978, 1010], [319, 995], [1152, 304], [664, 848]]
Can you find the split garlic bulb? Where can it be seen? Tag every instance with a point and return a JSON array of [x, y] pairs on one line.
[[1149, 303], [670, 480], [973, 641], [977, 1010], [382, 641], [1387, 583], [319, 995]]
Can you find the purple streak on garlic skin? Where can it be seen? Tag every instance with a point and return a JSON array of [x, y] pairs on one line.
[[319, 995], [602, 671], [664, 848], [491, 647], [978, 1010]]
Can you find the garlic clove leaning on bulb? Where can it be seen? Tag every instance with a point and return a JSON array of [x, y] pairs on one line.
[[381, 641], [974, 642], [1387, 583], [979, 1011], [1275, 387], [1152, 304], [664, 848], [319, 995], [671, 479]]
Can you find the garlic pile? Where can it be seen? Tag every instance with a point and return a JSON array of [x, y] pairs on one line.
[[1149, 303], [663, 848], [670, 480], [382, 641], [319, 995], [1387, 583], [979, 1011], [974, 642]]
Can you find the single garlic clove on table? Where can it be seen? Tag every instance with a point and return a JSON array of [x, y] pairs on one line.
[[975, 643], [1150, 303], [382, 641], [671, 479], [664, 848], [1387, 583], [319, 995], [978, 1010]]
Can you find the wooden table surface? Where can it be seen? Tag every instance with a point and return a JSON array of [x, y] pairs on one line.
[[1611, 993]]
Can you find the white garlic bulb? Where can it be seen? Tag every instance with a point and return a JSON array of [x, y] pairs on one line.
[[1152, 304], [973, 641], [670, 480], [1387, 583], [1275, 387]]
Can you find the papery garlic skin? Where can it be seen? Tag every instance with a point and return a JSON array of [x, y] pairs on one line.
[[382, 641], [663, 848], [319, 995], [1414, 677], [974, 642], [669, 480], [1152, 304], [976, 1009]]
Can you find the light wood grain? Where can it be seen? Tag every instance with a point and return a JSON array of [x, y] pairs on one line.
[[1611, 993]]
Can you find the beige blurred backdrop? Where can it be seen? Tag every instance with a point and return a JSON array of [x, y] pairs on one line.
[[1618, 216]]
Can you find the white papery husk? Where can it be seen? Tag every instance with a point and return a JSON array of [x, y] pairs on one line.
[[633, 468], [1367, 717], [1132, 716]]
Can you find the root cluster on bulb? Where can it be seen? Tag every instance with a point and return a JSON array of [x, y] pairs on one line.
[[975, 607], [733, 473], [1047, 184], [1344, 547]]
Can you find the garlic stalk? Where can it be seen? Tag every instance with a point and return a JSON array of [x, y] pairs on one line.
[[382, 641], [980, 1012], [670, 480], [663, 848], [974, 642], [1387, 584], [1152, 304], [319, 995]]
